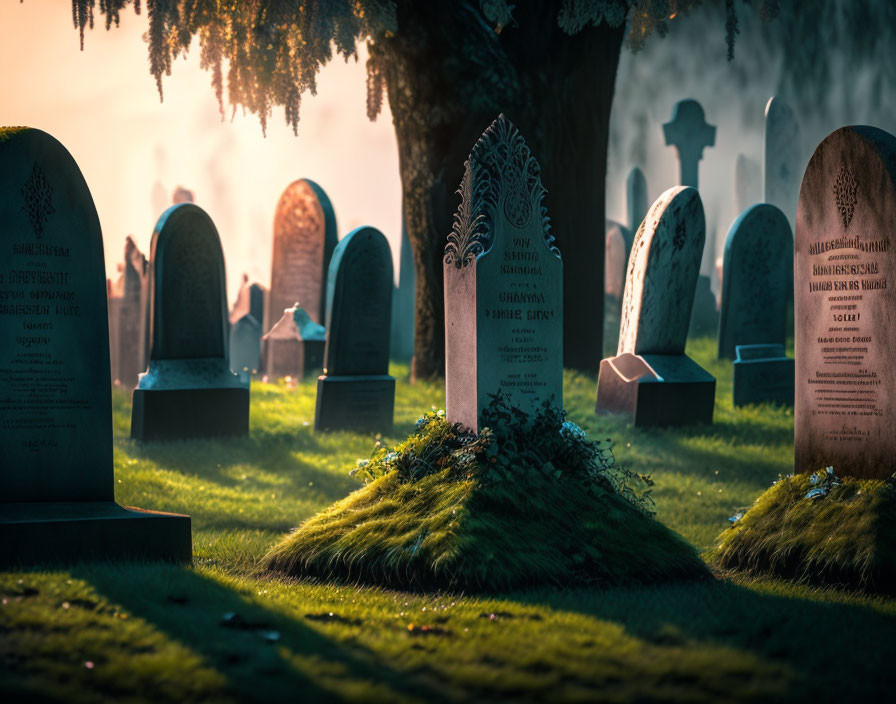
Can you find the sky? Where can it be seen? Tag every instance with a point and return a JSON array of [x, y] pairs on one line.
[[102, 104]]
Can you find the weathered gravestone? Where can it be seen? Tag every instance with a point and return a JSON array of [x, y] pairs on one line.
[[300, 342], [845, 273], [747, 183], [403, 302], [503, 284], [755, 280], [304, 239], [651, 380], [188, 390], [762, 373], [56, 480], [783, 157], [689, 133], [246, 318], [635, 201], [131, 311], [355, 391]]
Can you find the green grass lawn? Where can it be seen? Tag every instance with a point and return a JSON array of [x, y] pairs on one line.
[[160, 633]]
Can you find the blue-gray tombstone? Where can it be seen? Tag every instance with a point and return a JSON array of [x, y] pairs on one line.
[[763, 374], [635, 201], [56, 473], [299, 341], [503, 285], [651, 381], [245, 329], [755, 280], [403, 303], [689, 133], [355, 391], [188, 391]]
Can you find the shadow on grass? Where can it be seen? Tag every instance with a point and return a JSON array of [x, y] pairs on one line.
[[840, 651], [297, 664]]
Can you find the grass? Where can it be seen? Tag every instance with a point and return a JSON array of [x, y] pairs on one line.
[[100, 632]]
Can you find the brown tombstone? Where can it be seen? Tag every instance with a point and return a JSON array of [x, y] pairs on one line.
[[845, 298], [131, 355], [304, 240]]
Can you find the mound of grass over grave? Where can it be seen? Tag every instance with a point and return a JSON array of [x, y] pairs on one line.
[[843, 534], [527, 501]]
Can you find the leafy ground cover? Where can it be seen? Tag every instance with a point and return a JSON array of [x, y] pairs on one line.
[[226, 630]]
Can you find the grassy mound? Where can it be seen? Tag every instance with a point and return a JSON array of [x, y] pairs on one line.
[[846, 537], [536, 504]]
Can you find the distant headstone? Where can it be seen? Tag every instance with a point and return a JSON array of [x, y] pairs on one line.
[[56, 472], [131, 324], [689, 133], [615, 259], [650, 380], [403, 303], [246, 318], [783, 157], [503, 284], [113, 302], [755, 280], [355, 391], [300, 341], [762, 374], [189, 390], [635, 200], [304, 239], [845, 277], [747, 183], [704, 313]]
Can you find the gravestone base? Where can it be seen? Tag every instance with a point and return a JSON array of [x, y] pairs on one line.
[[655, 390], [37, 532], [295, 358], [762, 373], [363, 403], [182, 414]]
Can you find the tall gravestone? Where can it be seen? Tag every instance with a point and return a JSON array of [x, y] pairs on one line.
[[845, 273], [189, 390], [304, 239], [755, 280], [747, 183], [503, 284], [635, 201], [650, 380], [783, 157], [246, 318], [355, 391], [403, 303], [56, 476], [131, 312]]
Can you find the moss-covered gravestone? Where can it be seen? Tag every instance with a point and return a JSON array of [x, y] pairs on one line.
[[56, 481], [189, 390], [651, 380], [356, 391], [503, 285], [304, 239]]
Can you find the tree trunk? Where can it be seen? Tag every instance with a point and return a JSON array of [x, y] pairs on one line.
[[448, 75]]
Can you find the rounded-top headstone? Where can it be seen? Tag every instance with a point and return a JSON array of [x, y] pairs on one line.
[[755, 280], [359, 305], [55, 401], [845, 298], [783, 155], [662, 275]]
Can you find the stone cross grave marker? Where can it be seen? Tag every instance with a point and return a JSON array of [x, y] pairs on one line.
[[56, 475], [355, 391], [755, 280], [189, 390], [689, 133], [651, 380], [783, 157], [304, 238], [503, 284], [845, 276]]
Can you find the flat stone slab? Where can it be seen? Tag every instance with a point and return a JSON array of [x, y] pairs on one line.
[[361, 403], [763, 374], [182, 414], [56, 532], [656, 390]]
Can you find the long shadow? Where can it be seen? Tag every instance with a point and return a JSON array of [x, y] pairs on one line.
[[191, 609], [841, 651]]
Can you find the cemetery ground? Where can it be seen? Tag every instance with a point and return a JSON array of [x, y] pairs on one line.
[[223, 630]]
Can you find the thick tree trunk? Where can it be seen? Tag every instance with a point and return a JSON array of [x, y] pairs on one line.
[[448, 75]]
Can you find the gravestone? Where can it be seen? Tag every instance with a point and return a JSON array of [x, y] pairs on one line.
[[246, 318], [755, 280], [704, 312], [747, 183], [635, 201], [56, 472], [355, 391], [615, 259], [304, 239], [403, 302], [188, 390], [131, 311], [783, 157], [300, 341], [763, 374], [503, 284], [845, 297], [689, 133], [650, 380], [113, 305]]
